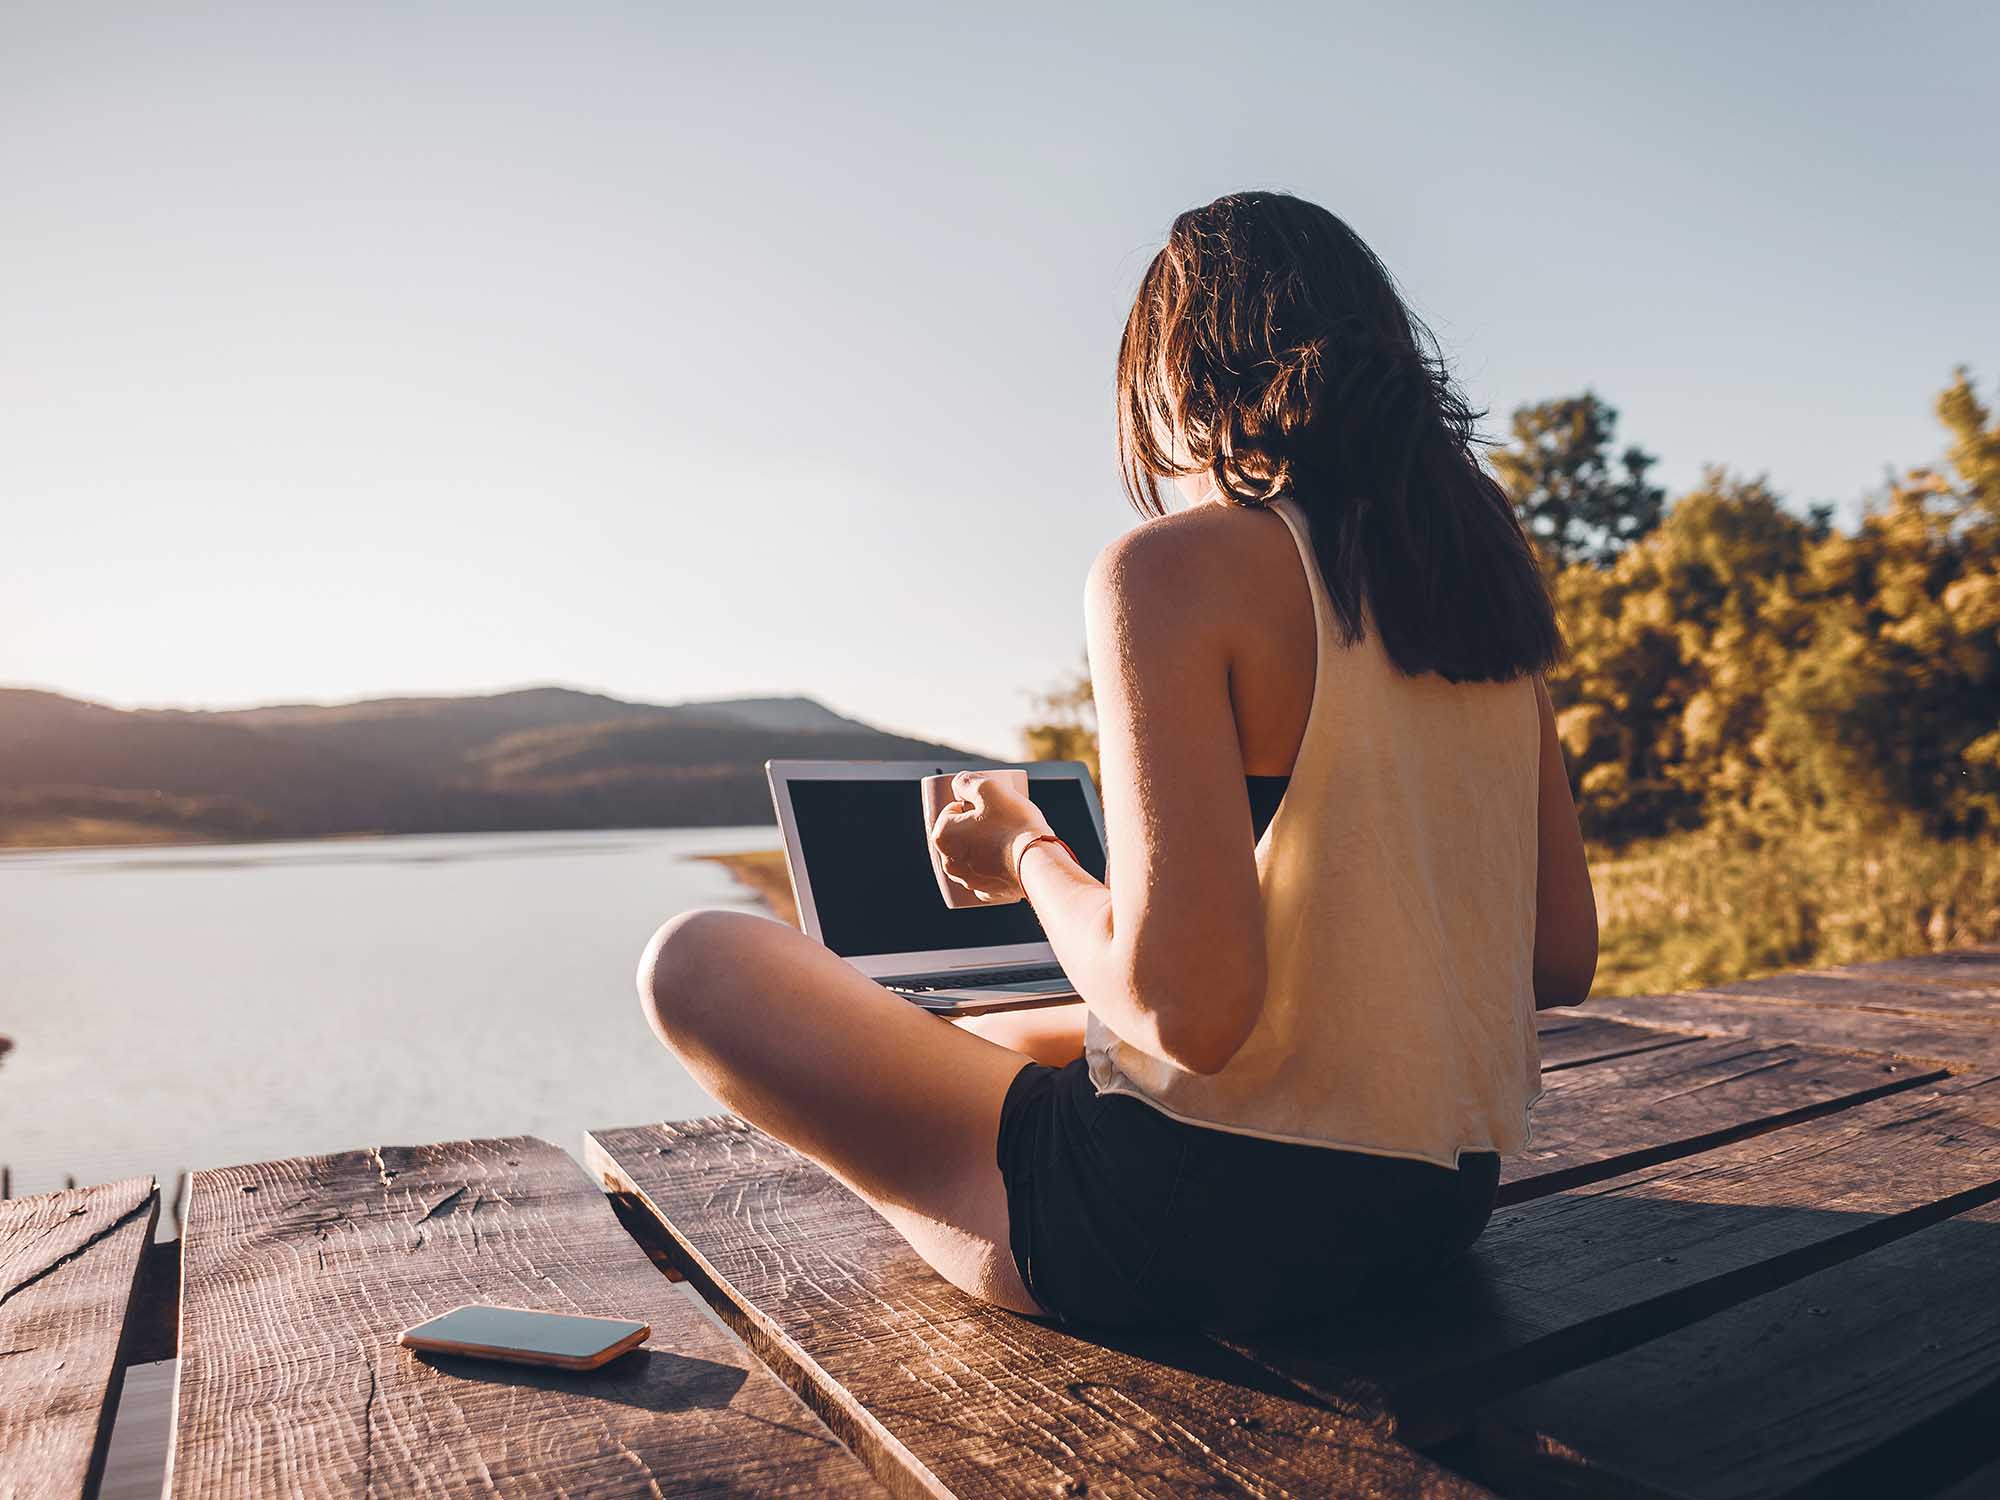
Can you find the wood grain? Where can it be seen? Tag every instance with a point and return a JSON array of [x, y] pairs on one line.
[[68, 1264], [297, 1276], [1840, 1383], [1932, 1040], [1838, 990], [1611, 1116], [1977, 966], [1579, 1039], [1563, 1280], [960, 1398]]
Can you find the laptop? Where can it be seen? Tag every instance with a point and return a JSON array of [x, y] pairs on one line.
[[856, 845]]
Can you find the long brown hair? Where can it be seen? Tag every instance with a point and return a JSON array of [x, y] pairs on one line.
[[1272, 343]]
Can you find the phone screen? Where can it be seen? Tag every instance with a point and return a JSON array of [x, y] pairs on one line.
[[515, 1333]]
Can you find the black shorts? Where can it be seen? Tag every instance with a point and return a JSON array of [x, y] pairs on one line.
[[1123, 1216]]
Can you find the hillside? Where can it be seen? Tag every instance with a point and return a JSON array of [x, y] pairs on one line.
[[73, 772]]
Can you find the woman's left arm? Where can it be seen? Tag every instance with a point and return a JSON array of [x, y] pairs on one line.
[[1170, 955]]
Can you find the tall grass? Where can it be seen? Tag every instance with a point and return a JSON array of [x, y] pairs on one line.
[[1708, 907]]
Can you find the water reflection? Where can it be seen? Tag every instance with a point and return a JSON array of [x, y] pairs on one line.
[[193, 1007]]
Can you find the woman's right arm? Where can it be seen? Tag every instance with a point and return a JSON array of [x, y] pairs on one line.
[[1565, 906]]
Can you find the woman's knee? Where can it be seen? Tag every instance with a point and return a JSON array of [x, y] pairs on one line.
[[688, 965]]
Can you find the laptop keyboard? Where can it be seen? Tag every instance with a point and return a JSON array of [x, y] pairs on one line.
[[974, 979]]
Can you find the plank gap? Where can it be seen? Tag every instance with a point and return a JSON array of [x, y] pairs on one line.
[[1632, 1051], [1525, 1189], [1437, 1405]]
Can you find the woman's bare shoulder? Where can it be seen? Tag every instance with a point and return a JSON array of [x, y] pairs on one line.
[[1211, 552]]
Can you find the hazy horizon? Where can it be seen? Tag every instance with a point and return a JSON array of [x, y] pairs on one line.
[[474, 692], [685, 354]]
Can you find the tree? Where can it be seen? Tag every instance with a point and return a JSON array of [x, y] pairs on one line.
[[1909, 605], [1746, 670], [1067, 729], [1659, 700], [1975, 448], [1576, 504]]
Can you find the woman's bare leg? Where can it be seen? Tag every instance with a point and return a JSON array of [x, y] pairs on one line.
[[900, 1105], [1051, 1034]]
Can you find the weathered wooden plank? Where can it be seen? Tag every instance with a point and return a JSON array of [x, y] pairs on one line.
[[68, 1263], [1563, 1280], [1978, 967], [135, 1460], [967, 1399], [298, 1275], [1580, 1039], [1868, 992], [1612, 1116], [1954, 1041], [1840, 1383]]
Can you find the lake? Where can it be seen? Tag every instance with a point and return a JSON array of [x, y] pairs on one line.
[[202, 1006]]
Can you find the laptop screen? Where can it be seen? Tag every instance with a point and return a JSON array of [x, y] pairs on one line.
[[869, 863]]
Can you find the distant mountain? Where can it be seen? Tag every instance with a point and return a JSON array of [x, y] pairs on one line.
[[76, 773]]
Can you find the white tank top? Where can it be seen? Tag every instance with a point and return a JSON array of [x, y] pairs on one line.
[[1398, 887]]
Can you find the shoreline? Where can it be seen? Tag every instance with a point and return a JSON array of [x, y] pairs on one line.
[[220, 842], [765, 875]]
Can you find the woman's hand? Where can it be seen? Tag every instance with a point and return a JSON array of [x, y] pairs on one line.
[[977, 832]]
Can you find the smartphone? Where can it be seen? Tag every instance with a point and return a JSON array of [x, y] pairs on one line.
[[522, 1337]]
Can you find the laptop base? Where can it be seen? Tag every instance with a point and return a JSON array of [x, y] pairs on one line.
[[982, 1002]]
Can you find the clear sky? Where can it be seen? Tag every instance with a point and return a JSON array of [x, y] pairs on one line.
[[349, 349]]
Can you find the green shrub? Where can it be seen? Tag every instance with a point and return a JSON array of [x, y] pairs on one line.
[[1707, 907]]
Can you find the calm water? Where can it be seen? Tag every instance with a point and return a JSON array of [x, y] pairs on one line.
[[198, 1007]]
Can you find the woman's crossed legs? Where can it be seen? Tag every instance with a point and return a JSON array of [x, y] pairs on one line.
[[898, 1104]]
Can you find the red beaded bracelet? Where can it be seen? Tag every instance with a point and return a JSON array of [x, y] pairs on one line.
[[1041, 838]]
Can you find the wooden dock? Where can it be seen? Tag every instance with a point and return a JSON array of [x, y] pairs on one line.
[[1753, 1250]]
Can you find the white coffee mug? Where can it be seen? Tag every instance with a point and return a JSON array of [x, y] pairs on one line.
[[937, 797]]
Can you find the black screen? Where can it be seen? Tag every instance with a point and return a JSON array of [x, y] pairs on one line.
[[868, 857]]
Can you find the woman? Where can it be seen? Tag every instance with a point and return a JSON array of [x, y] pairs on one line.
[[1344, 863]]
